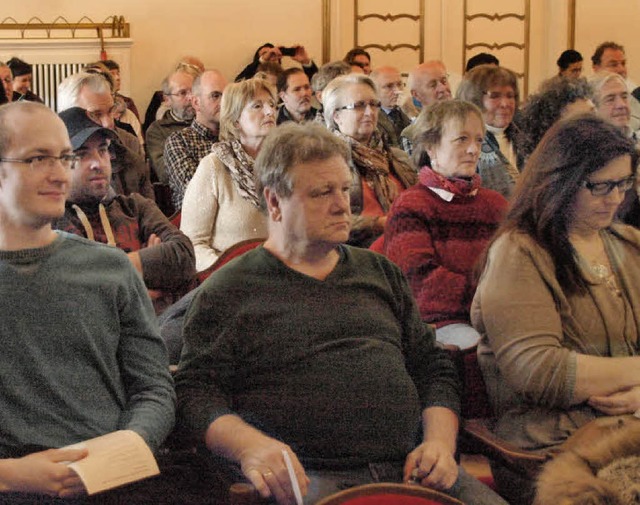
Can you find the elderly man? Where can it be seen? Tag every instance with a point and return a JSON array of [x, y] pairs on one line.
[[295, 92], [159, 251], [184, 149], [612, 101], [176, 88], [610, 57], [93, 93], [81, 352], [339, 369], [392, 119], [428, 83]]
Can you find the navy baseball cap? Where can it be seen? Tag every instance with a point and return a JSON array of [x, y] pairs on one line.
[[80, 126]]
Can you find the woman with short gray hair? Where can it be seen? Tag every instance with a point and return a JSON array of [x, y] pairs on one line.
[[381, 173]]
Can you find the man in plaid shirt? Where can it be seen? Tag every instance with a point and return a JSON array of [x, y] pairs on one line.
[[184, 149]]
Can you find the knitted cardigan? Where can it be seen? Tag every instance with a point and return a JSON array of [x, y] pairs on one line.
[[437, 242]]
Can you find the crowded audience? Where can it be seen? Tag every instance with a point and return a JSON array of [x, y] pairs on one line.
[[507, 231]]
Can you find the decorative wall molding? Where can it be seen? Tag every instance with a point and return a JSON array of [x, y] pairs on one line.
[[382, 43], [495, 46]]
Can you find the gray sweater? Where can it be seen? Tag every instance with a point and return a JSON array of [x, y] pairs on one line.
[[81, 351]]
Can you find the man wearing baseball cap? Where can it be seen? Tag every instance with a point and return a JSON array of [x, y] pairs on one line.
[[158, 250]]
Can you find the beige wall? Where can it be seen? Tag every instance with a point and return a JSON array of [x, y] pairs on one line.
[[225, 33]]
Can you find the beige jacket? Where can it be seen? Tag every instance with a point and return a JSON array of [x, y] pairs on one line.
[[531, 332]]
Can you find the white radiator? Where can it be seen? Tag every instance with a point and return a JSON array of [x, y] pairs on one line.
[[55, 59], [47, 76]]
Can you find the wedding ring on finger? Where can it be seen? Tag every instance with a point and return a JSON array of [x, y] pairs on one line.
[[413, 478]]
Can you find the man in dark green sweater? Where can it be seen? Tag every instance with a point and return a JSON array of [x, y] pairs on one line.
[[317, 349]]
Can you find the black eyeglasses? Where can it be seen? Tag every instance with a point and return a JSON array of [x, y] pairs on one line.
[[603, 188], [362, 105], [46, 162]]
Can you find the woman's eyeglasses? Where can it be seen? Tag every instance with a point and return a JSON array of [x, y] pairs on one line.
[[362, 105], [603, 188]]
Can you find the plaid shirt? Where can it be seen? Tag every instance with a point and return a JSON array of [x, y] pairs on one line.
[[183, 151]]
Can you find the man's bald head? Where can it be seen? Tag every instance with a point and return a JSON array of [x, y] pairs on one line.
[[389, 83], [429, 82]]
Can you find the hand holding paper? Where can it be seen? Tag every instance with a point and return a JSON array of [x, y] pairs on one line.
[[114, 460]]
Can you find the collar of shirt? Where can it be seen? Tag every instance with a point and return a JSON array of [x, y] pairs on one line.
[[203, 130], [447, 196]]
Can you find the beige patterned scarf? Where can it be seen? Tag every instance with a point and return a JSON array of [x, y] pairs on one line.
[[240, 166]]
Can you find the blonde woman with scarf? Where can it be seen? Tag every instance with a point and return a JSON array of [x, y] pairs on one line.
[[221, 206], [380, 172]]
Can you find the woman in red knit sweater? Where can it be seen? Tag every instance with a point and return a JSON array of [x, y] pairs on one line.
[[437, 229]]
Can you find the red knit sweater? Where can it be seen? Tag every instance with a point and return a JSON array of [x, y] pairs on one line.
[[436, 244]]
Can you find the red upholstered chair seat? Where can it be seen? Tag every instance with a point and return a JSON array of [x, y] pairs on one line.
[[391, 499]]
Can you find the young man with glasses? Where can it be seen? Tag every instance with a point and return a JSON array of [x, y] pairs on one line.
[[184, 149], [160, 252], [176, 88], [81, 353]]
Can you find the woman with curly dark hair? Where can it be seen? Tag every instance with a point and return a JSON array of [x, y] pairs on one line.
[[558, 98]]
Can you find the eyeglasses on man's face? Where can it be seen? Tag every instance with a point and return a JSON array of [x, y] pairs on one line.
[[183, 93], [214, 96], [97, 115], [44, 162], [393, 85], [603, 188]]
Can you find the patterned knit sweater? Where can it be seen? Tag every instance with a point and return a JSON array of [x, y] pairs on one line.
[[437, 242]]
